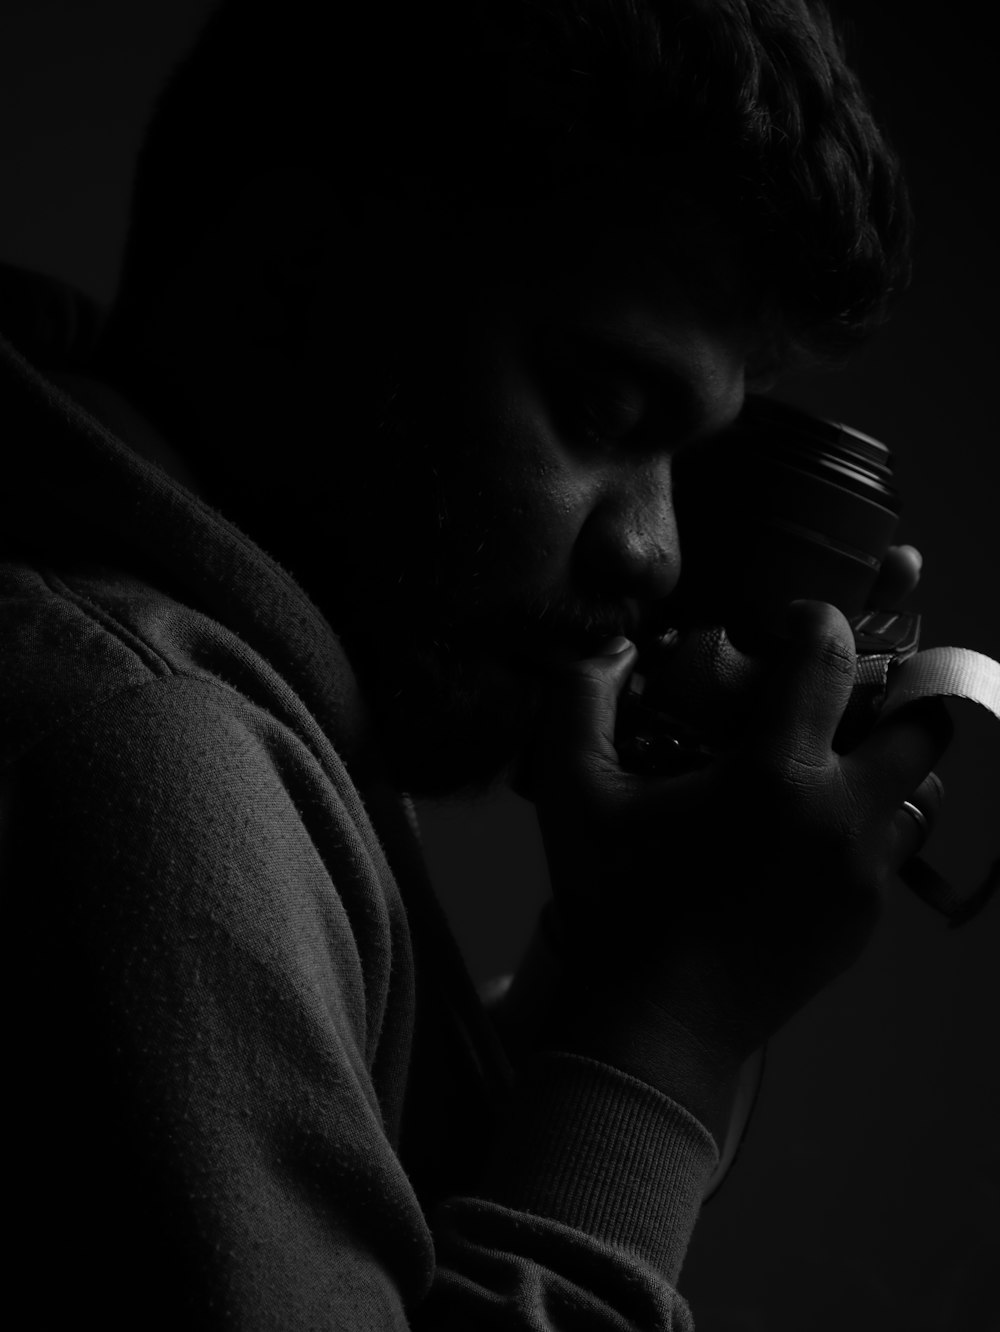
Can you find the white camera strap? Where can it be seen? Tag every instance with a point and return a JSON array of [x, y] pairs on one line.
[[945, 672], [958, 673]]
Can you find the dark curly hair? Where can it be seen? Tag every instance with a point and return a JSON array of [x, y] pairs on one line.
[[739, 111]]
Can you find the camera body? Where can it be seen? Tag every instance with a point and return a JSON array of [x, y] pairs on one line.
[[781, 506]]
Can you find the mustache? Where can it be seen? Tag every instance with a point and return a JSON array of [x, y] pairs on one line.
[[476, 619], [587, 623]]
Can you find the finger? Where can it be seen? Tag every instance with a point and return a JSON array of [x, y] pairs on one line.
[[808, 685], [897, 578], [581, 708], [897, 755], [914, 822]]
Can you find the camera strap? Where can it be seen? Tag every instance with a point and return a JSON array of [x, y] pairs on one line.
[[957, 673]]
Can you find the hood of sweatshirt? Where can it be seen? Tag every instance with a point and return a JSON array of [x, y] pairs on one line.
[[93, 483], [95, 487]]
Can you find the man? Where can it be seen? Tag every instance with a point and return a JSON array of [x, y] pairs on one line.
[[365, 493]]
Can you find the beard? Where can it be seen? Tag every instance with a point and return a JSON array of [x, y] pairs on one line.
[[454, 645], [453, 612], [450, 628], [448, 721], [456, 708]]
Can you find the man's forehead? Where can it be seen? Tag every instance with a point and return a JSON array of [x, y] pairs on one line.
[[638, 303], [650, 342], [621, 295]]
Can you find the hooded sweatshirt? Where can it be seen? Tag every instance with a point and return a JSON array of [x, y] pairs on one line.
[[250, 1081]]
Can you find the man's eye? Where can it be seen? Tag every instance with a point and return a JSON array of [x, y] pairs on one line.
[[603, 410]]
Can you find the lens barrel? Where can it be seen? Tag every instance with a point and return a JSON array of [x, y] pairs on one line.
[[781, 506]]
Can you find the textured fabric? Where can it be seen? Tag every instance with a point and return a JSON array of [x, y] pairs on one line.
[[250, 1082]]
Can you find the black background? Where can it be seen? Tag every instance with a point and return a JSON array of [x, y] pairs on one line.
[[868, 1193]]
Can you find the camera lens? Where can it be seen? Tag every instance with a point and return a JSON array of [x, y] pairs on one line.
[[783, 505]]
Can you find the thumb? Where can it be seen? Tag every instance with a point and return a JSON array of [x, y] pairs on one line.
[[577, 738]]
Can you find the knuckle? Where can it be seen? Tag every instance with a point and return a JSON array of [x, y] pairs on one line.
[[584, 679], [935, 788], [828, 624], [783, 769], [586, 694], [830, 641], [836, 655], [593, 669]]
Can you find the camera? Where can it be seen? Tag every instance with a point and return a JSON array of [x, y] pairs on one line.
[[781, 506]]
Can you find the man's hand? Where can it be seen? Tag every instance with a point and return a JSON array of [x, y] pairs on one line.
[[729, 896]]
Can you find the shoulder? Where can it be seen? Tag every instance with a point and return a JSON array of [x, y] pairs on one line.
[[58, 659], [160, 827], [97, 639], [154, 747]]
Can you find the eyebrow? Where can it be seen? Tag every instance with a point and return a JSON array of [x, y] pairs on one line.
[[649, 359]]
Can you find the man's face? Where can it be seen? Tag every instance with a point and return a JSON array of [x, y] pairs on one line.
[[516, 506]]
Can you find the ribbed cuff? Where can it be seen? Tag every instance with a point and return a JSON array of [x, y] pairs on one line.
[[596, 1149]]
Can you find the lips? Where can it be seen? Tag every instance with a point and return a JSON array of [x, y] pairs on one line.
[[560, 644], [559, 634]]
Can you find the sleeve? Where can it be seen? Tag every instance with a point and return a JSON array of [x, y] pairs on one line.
[[583, 1214], [192, 1019], [592, 1188]]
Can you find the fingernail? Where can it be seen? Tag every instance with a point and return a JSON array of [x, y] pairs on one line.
[[616, 646]]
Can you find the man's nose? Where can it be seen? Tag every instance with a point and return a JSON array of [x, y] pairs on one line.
[[629, 544]]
